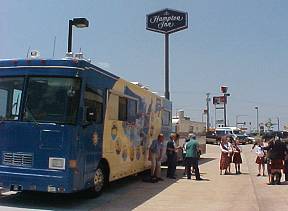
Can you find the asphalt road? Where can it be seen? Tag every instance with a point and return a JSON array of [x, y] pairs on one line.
[[216, 192]]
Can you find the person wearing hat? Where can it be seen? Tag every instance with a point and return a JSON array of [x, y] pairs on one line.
[[192, 152]]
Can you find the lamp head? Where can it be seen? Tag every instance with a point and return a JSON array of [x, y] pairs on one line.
[[80, 22]]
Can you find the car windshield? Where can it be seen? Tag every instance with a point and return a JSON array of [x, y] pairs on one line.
[[11, 89], [238, 132], [220, 132], [51, 99]]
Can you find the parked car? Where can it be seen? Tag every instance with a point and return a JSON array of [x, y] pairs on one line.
[[233, 132], [271, 134]]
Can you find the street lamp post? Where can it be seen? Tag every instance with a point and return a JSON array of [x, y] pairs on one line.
[[257, 118], [208, 111], [278, 123], [224, 91], [79, 23]]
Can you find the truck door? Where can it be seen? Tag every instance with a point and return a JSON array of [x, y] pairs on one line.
[[92, 133]]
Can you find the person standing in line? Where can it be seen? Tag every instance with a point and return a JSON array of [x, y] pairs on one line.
[[171, 150], [277, 155], [285, 170], [155, 156], [260, 159], [184, 155], [267, 159], [178, 148], [224, 160], [237, 159], [230, 152], [192, 152]]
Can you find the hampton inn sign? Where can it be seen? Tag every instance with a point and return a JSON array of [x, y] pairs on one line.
[[167, 21]]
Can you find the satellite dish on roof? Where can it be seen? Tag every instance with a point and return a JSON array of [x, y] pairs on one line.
[[35, 54]]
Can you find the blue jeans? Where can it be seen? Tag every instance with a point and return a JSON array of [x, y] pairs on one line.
[[171, 162]]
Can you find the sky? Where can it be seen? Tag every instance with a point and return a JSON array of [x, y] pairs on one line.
[[242, 44]]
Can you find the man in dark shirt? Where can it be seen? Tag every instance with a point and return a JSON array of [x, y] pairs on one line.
[[171, 157], [277, 151]]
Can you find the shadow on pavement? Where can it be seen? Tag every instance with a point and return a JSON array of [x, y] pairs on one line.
[[124, 194], [205, 160]]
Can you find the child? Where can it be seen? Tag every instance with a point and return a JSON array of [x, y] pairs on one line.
[[230, 152], [260, 158], [237, 159]]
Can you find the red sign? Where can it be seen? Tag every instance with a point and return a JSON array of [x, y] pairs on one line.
[[224, 89], [219, 100]]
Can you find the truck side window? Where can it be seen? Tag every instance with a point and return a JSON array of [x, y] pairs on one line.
[[93, 106], [122, 114], [127, 109]]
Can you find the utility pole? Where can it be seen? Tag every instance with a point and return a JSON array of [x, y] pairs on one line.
[[225, 95], [257, 118], [208, 116]]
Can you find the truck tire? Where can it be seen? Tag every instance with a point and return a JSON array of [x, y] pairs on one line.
[[99, 181]]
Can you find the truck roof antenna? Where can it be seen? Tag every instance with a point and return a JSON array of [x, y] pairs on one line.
[[54, 45], [28, 51]]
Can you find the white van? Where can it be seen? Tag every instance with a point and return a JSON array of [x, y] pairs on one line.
[[231, 131]]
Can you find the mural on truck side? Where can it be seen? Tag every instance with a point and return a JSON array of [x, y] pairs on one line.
[[128, 141]]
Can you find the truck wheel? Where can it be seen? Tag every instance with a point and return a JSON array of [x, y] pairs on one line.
[[99, 181]]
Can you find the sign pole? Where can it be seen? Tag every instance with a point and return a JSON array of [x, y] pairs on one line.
[[167, 94], [225, 112], [208, 115], [167, 21]]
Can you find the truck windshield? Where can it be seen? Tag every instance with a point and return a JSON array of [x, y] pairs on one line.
[[11, 89], [51, 99]]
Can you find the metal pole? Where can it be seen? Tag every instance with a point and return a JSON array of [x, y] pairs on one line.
[[208, 115], [278, 122], [257, 119], [167, 94], [237, 120], [70, 36], [225, 123], [215, 116]]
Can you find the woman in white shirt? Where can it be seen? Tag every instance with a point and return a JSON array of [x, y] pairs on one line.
[[260, 160]]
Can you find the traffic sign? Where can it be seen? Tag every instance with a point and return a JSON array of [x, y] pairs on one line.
[[219, 100]]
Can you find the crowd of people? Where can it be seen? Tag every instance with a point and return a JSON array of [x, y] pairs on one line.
[[273, 153], [190, 156], [230, 153]]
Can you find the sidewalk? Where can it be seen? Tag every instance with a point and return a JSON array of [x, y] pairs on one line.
[[217, 193], [221, 192]]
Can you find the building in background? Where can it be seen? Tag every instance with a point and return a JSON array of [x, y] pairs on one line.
[[183, 125]]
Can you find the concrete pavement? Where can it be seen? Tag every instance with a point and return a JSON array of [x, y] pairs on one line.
[[222, 192], [218, 192]]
